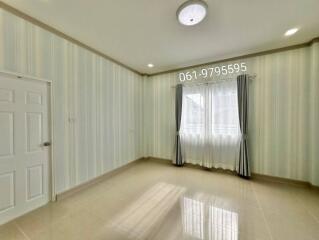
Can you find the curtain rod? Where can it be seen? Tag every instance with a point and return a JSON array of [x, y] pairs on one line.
[[250, 77]]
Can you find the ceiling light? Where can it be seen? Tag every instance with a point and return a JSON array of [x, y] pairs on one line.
[[192, 12], [291, 31], [150, 65]]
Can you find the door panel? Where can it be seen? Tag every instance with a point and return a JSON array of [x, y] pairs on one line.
[[33, 98], [34, 182], [6, 139], [7, 191], [33, 132], [23, 158], [6, 95]]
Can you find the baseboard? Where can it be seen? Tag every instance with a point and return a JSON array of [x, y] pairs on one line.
[[269, 178], [159, 160], [255, 176], [98, 179]]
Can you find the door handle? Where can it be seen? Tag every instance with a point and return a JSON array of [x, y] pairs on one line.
[[47, 144]]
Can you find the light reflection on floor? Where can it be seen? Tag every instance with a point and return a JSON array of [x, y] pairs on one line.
[[202, 220], [139, 219], [198, 216], [159, 202]]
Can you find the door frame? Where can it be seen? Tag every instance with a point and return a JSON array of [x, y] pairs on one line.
[[51, 170]]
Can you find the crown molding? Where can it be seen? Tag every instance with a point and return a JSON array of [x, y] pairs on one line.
[[57, 32], [256, 54]]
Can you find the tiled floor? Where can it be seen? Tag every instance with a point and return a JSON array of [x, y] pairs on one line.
[[162, 202]]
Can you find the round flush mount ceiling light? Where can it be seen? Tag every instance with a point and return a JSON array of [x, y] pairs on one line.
[[150, 65], [192, 12], [291, 32]]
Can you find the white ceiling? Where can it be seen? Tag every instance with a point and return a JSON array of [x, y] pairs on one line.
[[138, 32]]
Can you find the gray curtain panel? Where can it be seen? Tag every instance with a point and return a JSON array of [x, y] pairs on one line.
[[243, 167], [178, 160]]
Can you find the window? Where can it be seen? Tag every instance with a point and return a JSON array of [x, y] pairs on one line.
[[224, 109], [194, 105], [210, 108], [210, 132]]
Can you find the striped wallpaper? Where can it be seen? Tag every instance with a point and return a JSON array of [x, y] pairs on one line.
[[97, 103], [106, 116], [284, 114]]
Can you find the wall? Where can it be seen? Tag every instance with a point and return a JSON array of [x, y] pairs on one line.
[[284, 114], [99, 106], [97, 103]]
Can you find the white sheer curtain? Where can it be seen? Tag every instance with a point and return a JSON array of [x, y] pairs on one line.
[[210, 131]]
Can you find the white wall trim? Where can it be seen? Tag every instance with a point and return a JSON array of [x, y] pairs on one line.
[[24, 76]]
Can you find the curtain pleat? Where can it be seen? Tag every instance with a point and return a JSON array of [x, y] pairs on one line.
[[243, 168], [210, 127], [178, 115]]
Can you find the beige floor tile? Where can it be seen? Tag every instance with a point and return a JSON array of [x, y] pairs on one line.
[[79, 226], [107, 233], [43, 218], [50, 233], [10, 231], [154, 201], [301, 226], [252, 236]]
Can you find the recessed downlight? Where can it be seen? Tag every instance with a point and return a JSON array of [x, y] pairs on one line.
[[291, 32], [192, 12], [150, 65]]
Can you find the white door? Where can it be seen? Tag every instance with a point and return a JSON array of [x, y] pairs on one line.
[[24, 160]]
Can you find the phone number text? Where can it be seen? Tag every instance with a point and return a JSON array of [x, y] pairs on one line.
[[212, 71]]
